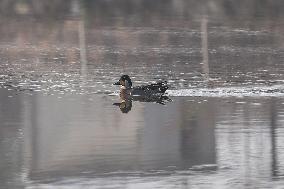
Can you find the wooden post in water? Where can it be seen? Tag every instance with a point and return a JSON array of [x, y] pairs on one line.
[[204, 47], [82, 44]]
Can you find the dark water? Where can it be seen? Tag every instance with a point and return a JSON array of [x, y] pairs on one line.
[[221, 128]]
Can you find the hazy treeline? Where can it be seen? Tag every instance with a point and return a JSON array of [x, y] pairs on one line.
[[142, 10]]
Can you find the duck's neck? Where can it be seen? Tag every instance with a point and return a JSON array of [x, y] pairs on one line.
[[125, 87]]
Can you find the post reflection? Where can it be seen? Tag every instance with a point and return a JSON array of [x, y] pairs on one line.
[[273, 133], [11, 131], [198, 146]]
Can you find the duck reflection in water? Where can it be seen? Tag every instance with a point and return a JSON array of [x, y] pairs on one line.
[[145, 93]]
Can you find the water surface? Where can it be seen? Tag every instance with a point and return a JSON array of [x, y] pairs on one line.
[[85, 141]]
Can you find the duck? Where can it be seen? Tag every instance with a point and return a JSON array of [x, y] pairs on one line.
[[141, 93]]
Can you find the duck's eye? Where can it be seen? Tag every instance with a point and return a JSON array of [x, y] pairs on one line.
[[127, 83]]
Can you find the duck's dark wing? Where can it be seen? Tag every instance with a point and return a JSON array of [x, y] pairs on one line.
[[159, 87]]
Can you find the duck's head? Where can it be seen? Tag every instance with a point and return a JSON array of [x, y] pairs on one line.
[[124, 81]]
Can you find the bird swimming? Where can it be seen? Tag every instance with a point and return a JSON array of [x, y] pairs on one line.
[[146, 91]]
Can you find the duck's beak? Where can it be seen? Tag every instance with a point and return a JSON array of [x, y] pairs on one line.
[[117, 83], [116, 104]]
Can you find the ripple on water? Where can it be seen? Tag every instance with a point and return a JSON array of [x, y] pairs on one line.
[[253, 91]]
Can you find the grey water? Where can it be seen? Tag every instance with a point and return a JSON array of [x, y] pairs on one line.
[[221, 126]]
